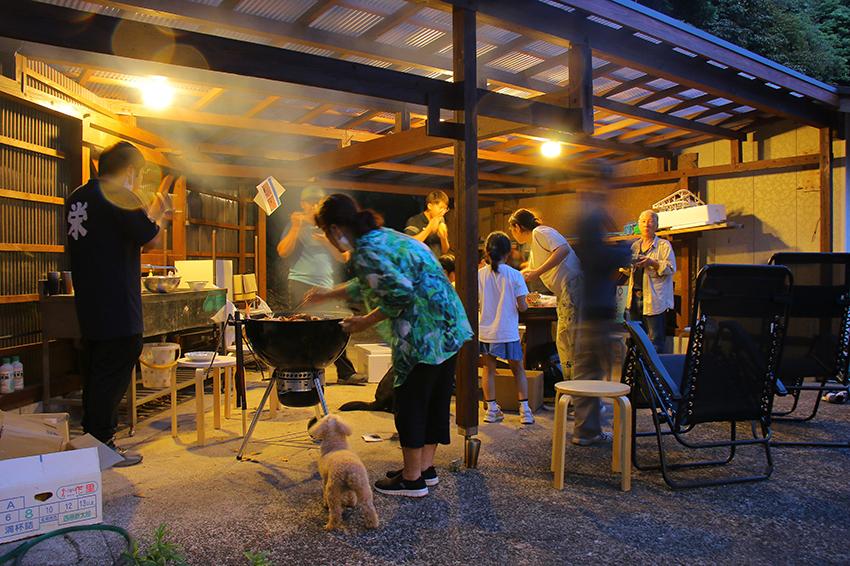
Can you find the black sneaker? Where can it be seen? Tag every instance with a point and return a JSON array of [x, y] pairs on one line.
[[429, 475], [400, 486], [130, 458], [353, 379]]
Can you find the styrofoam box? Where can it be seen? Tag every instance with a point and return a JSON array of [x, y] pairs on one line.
[[693, 216], [42, 493], [372, 359]]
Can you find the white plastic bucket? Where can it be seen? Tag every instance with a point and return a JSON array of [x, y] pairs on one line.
[[158, 360]]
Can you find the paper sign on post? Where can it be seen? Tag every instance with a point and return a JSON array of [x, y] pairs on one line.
[[269, 192]]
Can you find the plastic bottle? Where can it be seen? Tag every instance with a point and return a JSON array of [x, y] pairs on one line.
[[6, 377], [18, 373]]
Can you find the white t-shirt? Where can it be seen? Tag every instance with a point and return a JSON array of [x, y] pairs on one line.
[[498, 317], [545, 240]]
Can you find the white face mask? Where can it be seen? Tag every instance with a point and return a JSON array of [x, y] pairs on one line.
[[343, 242]]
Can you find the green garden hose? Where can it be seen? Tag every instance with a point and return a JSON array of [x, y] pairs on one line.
[[16, 556]]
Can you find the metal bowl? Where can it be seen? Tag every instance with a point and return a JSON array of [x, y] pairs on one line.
[[161, 283], [297, 345]]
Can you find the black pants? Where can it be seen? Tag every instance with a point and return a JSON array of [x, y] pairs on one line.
[[422, 404], [297, 290], [108, 366]]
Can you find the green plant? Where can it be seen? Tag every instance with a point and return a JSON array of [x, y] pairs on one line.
[[161, 552], [258, 558]]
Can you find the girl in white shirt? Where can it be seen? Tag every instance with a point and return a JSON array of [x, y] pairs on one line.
[[502, 296]]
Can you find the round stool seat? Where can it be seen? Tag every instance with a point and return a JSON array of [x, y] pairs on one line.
[[592, 388]]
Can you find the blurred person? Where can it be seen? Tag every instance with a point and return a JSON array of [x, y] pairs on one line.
[[650, 293], [501, 297], [107, 224], [600, 263], [313, 267], [429, 226], [554, 262], [419, 314], [447, 262]]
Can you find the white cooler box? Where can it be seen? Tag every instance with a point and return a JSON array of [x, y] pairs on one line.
[[372, 359], [693, 216]]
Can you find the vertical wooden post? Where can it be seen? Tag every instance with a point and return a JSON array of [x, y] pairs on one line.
[[260, 253], [243, 225], [580, 90], [464, 65], [178, 219], [735, 150], [846, 242], [402, 120], [825, 190]]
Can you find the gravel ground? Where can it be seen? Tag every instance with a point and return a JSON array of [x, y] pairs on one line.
[[505, 512]]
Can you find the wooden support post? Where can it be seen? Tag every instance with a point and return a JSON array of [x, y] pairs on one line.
[[846, 117], [402, 120], [260, 254], [735, 146], [243, 225], [825, 167], [580, 91], [466, 202], [178, 219]]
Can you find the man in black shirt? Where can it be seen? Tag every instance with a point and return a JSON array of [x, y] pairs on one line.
[[429, 227], [107, 226]]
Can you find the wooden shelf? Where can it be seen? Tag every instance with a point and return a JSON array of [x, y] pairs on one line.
[[34, 248], [12, 142], [200, 222], [681, 231], [14, 299], [31, 197]]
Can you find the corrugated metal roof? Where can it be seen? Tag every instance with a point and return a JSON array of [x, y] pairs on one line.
[[84, 6], [545, 49], [691, 93], [495, 35], [601, 84], [280, 10], [207, 2], [715, 118], [409, 35], [347, 21], [241, 36], [556, 75], [631, 94], [666, 101], [430, 17], [515, 62], [382, 7], [627, 74], [367, 61], [661, 84], [308, 49]]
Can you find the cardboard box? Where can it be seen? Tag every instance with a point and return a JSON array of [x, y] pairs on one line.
[[372, 359], [42, 493], [693, 216], [506, 389], [32, 434]]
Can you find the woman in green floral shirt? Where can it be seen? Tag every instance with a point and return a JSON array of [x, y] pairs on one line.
[[419, 314]]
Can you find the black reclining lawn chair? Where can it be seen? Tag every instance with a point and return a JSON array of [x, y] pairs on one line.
[[817, 342], [727, 376]]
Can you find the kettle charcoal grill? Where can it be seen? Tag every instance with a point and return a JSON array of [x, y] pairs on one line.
[[298, 350]]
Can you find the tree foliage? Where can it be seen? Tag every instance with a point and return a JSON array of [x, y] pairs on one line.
[[811, 36]]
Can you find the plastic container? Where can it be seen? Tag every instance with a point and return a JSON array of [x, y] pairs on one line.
[[158, 360], [18, 373], [7, 383]]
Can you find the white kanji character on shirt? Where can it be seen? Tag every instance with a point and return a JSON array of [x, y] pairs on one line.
[[76, 216]]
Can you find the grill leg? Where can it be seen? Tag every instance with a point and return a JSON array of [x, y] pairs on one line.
[[257, 414], [317, 382]]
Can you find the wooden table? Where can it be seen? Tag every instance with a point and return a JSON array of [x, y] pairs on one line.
[[228, 363], [538, 328], [163, 313]]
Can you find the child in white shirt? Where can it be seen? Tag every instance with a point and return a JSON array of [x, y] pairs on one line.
[[502, 296]]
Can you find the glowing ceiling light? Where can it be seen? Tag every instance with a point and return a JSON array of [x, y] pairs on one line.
[[550, 149], [156, 92]]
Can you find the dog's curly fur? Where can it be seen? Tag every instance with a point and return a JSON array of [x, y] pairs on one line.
[[344, 477]]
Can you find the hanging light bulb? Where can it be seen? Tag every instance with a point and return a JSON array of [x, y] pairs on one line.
[[157, 93], [550, 149]]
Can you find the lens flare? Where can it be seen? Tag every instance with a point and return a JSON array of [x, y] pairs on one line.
[[550, 149], [157, 93]]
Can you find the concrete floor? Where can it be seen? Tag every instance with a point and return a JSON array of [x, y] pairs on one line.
[[505, 512]]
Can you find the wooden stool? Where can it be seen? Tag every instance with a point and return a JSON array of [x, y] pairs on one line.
[[228, 363], [621, 460]]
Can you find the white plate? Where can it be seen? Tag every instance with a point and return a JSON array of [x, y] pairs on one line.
[[200, 356]]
